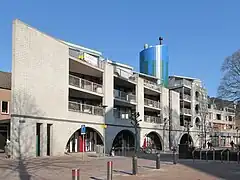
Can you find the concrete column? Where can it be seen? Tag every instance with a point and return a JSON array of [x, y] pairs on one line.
[[108, 84], [76, 142], [140, 105], [70, 145], [165, 115], [43, 139]]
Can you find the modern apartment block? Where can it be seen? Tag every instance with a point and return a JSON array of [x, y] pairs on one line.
[[58, 86], [193, 106], [5, 98], [221, 115]]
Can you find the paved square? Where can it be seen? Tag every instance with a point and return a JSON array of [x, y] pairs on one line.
[[59, 168]]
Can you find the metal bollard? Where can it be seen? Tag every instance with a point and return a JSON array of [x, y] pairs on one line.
[[158, 161], [75, 174], [109, 170], [213, 154], [174, 157], [200, 155], [228, 159], [134, 165], [206, 155], [238, 157]]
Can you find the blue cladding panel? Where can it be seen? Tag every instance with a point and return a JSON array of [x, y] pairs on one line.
[[164, 59], [148, 61]]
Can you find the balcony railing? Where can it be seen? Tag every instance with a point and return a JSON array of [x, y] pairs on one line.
[[124, 96], [82, 56], [121, 114], [85, 84], [125, 74], [186, 97], [85, 108], [153, 119], [151, 103], [186, 111], [152, 85], [183, 82]]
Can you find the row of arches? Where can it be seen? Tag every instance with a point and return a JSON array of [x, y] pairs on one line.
[[124, 139]]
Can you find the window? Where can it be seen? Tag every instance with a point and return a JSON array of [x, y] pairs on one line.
[[4, 107], [218, 116]]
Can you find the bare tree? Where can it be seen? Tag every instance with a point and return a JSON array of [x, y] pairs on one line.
[[229, 87]]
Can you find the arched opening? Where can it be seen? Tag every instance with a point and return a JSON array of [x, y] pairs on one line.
[[153, 140], [124, 139], [197, 95], [186, 139], [84, 143], [197, 122], [197, 108]]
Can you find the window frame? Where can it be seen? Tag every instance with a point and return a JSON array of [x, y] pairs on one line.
[[1, 106]]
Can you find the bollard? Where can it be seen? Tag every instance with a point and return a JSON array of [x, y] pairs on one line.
[[109, 170], [228, 157], [238, 157], [75, 174], [174, 157], [200, 155], [206, 155], [158, 161], [213, 154], [134, 165]]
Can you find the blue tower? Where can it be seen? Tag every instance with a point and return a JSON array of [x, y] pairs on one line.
[[154, 62]]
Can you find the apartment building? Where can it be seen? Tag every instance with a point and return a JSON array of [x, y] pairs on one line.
[[57, 87], [5, 98], [221, 115], [193, 107]]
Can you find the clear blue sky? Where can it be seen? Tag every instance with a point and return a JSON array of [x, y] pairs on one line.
[[200, 34]]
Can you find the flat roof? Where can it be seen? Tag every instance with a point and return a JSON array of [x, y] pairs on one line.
[[185, 77]]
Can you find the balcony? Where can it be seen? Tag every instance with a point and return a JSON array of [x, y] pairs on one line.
[[85, 108], [122, 115], [87, 58], [124, 96], [85, 84], [186, 97], [152, 103], [152, 85], [186, 111], [183, 82], [125, 74], [152, 119]]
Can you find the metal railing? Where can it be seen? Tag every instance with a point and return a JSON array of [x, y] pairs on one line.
[[152, 85], [85, 84], [124, 96], [187, 97], [153, 119], [85, 108], [186, 111], [152, 103], [125, 74], [121, 114], [80, 55], [183, 82]]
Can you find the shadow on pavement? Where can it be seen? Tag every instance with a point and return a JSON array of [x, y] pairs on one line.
[[95, 178], [123, 172], [225, 170]]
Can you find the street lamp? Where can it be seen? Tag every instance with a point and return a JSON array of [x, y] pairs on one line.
[[104, 130], [135, 123]]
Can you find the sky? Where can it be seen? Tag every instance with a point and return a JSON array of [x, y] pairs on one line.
[[199, 34]]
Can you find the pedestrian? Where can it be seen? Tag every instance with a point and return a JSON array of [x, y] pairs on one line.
[[208, 144], [232, 144]]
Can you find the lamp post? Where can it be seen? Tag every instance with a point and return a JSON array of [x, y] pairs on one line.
[[104, 130], [237, 134], [135, 123]]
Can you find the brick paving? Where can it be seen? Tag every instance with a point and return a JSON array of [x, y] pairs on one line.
[[59, 168]]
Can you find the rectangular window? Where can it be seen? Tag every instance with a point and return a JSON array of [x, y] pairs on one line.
[[4, 107]]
